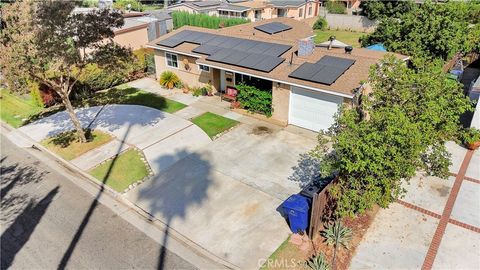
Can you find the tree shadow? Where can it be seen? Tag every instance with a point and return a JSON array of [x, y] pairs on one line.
[[176, 193], [306, 171], [19, 232]]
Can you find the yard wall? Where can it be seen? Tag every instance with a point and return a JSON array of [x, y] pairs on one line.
[[187, 72]]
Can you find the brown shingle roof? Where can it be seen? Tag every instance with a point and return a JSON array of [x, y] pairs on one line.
[[345, 84]]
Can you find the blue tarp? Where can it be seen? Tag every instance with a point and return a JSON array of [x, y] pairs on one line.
[[377, 47]]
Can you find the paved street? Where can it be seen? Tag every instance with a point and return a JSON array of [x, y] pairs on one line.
[[48, 222]]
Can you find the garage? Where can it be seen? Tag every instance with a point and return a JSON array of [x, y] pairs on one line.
[[312, 110]]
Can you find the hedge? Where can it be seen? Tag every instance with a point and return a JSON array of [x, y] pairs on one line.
[[181, 18], [254, 99]]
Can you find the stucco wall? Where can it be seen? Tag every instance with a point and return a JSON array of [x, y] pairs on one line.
[[191, 75], [280, 102], [134, 39]]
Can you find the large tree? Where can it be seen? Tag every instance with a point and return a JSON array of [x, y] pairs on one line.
[[429, 30], [399, 128], [48, 43], [377, 9]]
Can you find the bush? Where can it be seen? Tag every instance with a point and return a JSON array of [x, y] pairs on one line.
[[181, 18], [318, 263], [335, 7], [169, 79], [123, 5], [94, 78], [199, 91], [320, 24], [471, 135], [36, 94], [254, 99]]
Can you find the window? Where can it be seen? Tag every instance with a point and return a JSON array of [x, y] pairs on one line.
[[309, 10], [261, 84], [172, 60], [300, 12], [203, 68], [282, 12]]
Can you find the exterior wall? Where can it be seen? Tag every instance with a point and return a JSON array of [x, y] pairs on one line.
[[191, 76], [182, 8], [280, 102], [134, 39]]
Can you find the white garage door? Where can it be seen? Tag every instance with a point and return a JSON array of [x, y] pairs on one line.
[[312, 110]]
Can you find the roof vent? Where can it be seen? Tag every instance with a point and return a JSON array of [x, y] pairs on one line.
[[331, 39], [348, 49]]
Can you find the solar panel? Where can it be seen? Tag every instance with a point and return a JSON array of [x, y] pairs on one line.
[[206, 4], [277, 49], [170, 42], [273, 28], [268, 63], [245, 45], [235, 57], [206, 49], [251, 60], [326, 70]]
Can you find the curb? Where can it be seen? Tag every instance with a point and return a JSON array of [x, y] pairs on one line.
[[118, 197]]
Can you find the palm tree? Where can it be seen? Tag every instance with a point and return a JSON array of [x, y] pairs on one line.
[[336, 234]]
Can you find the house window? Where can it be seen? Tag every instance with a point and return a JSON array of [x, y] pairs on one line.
[[261, 84], [172, 60], [281, 12], [300, 12], [310, 11], [204, 68]]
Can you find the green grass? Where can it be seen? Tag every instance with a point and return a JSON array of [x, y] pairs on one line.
[[133, 96], [121, 171], [213, 124], [14, 109], [67, 146], [283, 251], [348, 37], [151, 7]]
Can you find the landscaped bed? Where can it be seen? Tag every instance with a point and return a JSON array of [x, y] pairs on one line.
[[293, 258], [348, 37], [13, 109], [213, 124], [121, 171], [68, 147], [133, 96]]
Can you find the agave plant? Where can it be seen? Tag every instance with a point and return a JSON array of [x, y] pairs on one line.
[[336, 234], [318, 263], [169, 79]]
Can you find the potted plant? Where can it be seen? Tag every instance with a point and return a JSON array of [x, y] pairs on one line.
[[186, 88], [471, 138]]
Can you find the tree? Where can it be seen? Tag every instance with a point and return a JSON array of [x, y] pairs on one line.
[[337, 235], [59, 44], [376, 9], [399, 128], [428, 30]]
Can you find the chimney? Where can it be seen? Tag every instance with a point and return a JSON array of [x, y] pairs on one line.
[[305, 46]]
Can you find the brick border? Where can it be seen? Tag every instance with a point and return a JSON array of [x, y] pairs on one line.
[[419, 209], [470, 179], [447, 211], [464, 225]]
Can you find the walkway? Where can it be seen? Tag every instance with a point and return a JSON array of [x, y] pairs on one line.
[[156, 133], [435, 226]]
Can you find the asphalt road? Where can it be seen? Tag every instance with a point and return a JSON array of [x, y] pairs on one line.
[[47, 222]]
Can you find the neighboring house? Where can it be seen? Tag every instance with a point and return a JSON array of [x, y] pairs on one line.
[[255, 10], [308, 83], [141, 28]]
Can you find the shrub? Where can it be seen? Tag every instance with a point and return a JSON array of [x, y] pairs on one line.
[[199, 91], [36, 94], [123, 5], [254, 99], [335, 7], [320, 24], [181, 18], [337, 235], [169, 79], [318, 263], [94, 78], [471, 135]]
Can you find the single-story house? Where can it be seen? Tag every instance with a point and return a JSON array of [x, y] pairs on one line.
[[308, 83], [253, 10]]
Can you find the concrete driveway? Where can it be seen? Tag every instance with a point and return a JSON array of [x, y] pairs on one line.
[[155, 132], [225, 196]]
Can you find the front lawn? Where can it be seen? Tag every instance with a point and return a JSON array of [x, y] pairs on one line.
[[14, 109], [67, 146], [213, 124], [120, 172], [348, 37], [133, 96]]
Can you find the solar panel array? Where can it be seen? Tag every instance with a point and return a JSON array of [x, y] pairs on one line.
[[273, 28], [325, 71], [252, 54], [206, 4]]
